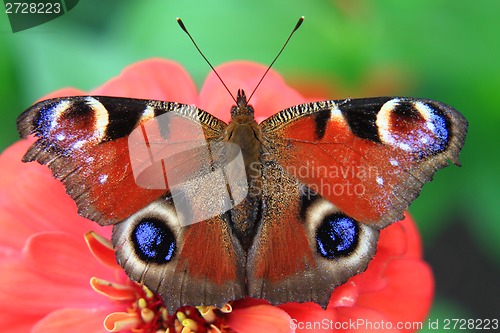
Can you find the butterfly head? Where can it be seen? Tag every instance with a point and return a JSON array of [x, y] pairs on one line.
[[241, 108]]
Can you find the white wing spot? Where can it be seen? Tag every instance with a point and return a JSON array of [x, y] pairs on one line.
[[380, 180], [430, 126], [103, 178], [424, 110], [394, 162], [101, 117], [383, 121], [148, 114], [404, 146], [335, 113], [427, 113], [57, 112], [78, 144]]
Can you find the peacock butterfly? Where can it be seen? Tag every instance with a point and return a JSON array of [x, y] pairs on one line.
[[286, 209]]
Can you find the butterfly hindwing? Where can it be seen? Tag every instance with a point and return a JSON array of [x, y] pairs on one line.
[[294, 257], [202, 263]]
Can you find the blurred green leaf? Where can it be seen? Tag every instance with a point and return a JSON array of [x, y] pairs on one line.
[[442, 315]]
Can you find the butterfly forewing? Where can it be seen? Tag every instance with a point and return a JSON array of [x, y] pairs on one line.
[[85, 142], [369, 157]]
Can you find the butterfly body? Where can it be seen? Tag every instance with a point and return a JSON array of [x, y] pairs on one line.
[[244, 133], [206, 212]]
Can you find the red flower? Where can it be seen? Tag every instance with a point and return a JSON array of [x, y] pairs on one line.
[[51, 282]]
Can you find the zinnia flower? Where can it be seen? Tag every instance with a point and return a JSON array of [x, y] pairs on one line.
[[57, 277]]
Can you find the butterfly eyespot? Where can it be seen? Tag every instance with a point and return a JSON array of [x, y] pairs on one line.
[[74, 124], [336, 236], [413, 126], [153, 241]]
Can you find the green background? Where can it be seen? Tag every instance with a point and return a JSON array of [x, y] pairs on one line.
[[437, 49]]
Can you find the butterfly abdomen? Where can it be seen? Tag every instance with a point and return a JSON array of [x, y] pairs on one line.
[[244, 134]]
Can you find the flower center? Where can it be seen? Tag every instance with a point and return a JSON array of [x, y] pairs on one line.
[[144, 310], [149, 307], [147, 314]]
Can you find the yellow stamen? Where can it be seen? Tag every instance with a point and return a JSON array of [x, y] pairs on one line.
[[226, 308], [190, 323], [181, 316], [149, 293], [207, 312], [115, 291], [214, 329], [142, 303], [147, 315], [177, 325], [164, 313], [121, 321]]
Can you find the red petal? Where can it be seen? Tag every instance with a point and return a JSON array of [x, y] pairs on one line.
[[157, 79], [17, 322], [401, 238], [10, 160], [272, 96], [309, 317], [356, 319], [247, 302], [55, 274], [398, 241], [26, 292], [28, 192], [73, 321], [259, 318], [63, 93], [65, 254], [344, 295], [408, 294], [102, 249]]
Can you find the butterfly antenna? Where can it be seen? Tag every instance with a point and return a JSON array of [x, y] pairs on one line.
[[183, 27], [297, 26]]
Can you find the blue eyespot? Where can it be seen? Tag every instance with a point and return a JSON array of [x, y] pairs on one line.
[[336, 236], [153, 241], [440, 130]]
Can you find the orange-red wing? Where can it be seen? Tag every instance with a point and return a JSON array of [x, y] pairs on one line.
[[369, 157], [87, 143]]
